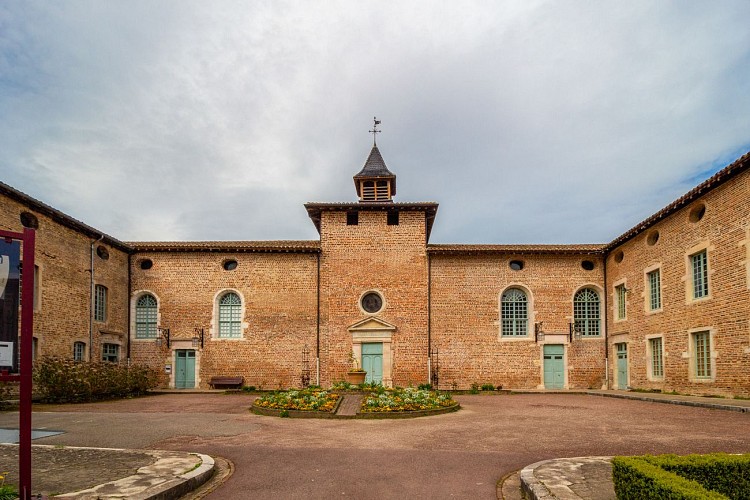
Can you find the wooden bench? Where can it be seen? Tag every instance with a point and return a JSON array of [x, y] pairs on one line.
[[235, 382]]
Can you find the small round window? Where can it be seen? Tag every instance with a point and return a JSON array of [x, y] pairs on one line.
[[29, 220], [372, 302], [516, 265], [619, 256], [102, 252], [230, 265], [652, 238], [697, 212], [587, 265], [146, 264]]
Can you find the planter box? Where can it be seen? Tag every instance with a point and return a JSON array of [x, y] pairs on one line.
[[356, 378]]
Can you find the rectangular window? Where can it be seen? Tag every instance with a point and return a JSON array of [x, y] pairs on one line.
[[79, 351], [110, 352], [620, 298], [654, 288], [393, 218], [352, 218], [657, 358], [702, 352], [699, 264], [100, 303]]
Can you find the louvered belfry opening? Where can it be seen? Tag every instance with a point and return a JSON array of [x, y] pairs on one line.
[[375, 183]]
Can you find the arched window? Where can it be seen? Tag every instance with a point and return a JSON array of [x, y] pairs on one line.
[[230, 315], [514, 311], [586, 312], [79, 351], [145, 317]]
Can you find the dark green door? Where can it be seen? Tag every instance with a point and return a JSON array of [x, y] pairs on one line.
[[554, 366], [184, 377], [372, 362], [622, 366]]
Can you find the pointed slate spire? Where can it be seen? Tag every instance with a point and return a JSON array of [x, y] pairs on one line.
[[375, 182]]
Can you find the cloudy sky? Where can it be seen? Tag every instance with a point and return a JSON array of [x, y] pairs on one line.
[[528, 121]]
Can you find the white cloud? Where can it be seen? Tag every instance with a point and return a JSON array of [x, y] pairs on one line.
[[218, 120]]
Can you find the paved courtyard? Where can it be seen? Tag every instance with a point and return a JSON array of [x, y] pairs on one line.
[[457, 455]]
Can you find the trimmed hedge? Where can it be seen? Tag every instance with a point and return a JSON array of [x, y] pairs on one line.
[[59, 380], [699, 477]]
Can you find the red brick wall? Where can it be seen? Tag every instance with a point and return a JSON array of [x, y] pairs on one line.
[[279, 297], [374, 256], [724, 231], [63, 256], [466, 319]]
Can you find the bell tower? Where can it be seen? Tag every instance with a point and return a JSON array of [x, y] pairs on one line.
[[375, 183]]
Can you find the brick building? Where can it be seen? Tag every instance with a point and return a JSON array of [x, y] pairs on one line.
[[664, 306]]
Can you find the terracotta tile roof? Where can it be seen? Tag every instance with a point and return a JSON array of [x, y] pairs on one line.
[[517, 249], [723, 175], [60, 217], [271, 246]]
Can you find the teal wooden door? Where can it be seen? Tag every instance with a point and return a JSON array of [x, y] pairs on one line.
[[372, 362], [554, 366], [622, 366], [184, 377]]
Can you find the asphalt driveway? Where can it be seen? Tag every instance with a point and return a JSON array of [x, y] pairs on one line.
[[457, 455]]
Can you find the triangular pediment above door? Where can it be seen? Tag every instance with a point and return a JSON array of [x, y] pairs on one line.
[[371, 324]]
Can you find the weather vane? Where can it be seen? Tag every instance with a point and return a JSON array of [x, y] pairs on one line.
[[375, 130]]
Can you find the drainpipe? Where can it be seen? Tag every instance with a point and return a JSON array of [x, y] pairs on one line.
[[127, 322], [606, 328], [317, 326], [429, 319], [91, 298]]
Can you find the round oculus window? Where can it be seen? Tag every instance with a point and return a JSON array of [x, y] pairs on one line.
[[372, 302], [102, 252], [147, 264], [587, 265], [230, 265], [516, 265]]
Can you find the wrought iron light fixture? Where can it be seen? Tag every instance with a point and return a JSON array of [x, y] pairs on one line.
[[575, 331], [538, 332], [198, 337], [162, 333]]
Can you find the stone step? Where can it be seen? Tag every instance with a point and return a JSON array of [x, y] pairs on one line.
[[350, 405]]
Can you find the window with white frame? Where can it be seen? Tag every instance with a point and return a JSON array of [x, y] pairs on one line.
[[100, 303], [656, 353], [586, 315], [230, 316], [145, 317], [654, 290], [699, 266], [702, 354], [79, 351], [620, 301], [514, 312], [111, 353]]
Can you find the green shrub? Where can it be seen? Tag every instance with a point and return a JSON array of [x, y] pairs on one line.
[[59, 380], [717, 475], [425, 387], [474, 388], [488, 387], [8, 492], [720, 472], [636, 479]]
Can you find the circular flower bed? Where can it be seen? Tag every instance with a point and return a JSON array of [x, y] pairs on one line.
[[311, 399], [405, 400]]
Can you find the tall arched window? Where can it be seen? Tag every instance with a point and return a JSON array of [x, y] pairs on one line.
[[586, 312], [145, 317], [514, 311], [230, 315]]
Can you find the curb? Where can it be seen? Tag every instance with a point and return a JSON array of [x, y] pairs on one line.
[[535, 489], [531, 486], [164, 486], [680, 402]]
